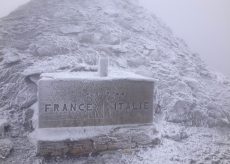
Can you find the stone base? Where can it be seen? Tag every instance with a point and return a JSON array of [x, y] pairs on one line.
[[92, 140]]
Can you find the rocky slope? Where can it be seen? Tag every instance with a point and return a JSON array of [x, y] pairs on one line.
[[69, 35]]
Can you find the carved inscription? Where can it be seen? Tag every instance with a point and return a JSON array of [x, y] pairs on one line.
[[118, 106], [72, 103]]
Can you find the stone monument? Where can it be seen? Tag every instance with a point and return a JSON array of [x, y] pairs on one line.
[[73, 107]]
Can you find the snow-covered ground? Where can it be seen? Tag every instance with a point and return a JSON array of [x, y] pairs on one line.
[[192, 104]]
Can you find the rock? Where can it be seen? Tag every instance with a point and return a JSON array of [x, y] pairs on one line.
[[101, 142], [33, 78], [51, 49], [92, 140], [5, 147], [1, 59], [38, 161], [46, 50], [65, 147], [15, 132], [27, 119], [28, 114], [90, 38], [216, 161], [71, 29], [142, 139], [136, 62], [192, 161], [3, 125], [120, 141], [84, 69], [178, 136], [181, 112], [11, 57], [164, 56]]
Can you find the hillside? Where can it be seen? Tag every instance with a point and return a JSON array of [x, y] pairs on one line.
[[69, 35]]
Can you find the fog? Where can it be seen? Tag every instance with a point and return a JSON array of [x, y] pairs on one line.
[[6, 6], [204, 25]]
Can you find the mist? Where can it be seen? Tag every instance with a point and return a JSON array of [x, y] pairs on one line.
[[101, 81], [8, 6], [204, 25]]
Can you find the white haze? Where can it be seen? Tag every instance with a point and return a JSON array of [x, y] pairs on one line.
[[6, 6], [204, 25]]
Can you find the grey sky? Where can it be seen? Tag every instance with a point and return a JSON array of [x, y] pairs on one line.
[[203, 24], [6, 6]]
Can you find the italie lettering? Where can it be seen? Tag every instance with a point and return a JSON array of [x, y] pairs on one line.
[[117, 106]]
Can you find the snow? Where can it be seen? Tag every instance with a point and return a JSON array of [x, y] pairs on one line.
[[66, 38], [75, 133], [69, 29], [113, 75]]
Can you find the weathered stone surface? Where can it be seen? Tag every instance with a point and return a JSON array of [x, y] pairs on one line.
[[178, 136], [136, 62], [142, 139], [71, 29], [27, 119], [75, 142], [120, 141], [91, 101], [11, 56], [101, 143], [38, 161], [103, 66], [3, 124], [5, 147], [65, 147]]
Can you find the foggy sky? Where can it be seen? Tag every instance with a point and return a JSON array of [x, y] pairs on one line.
[[6, 6], [203, 24]]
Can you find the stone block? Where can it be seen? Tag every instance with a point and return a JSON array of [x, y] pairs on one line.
[[65, 147], [80, 100], [84, 113], [83, 141]]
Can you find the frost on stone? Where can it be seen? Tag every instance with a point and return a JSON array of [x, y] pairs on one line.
[[10, 56], [72, 39], [71, 29], [3, 126], [70, 35], [5, 147]]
